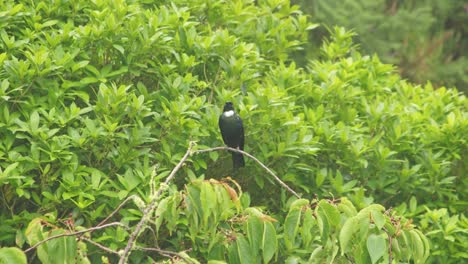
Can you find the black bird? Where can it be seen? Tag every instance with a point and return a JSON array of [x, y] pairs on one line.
[[232, 132]]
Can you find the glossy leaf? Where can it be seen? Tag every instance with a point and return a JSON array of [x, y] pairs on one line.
[[12, 255], [376, 247]]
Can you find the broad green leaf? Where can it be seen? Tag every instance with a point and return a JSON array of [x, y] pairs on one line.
[[33, 232], [299, 203], [34, 122], [332, 214], [379, 219], [307, 225], [293, 260], [49, 23], [427, 246], [79, 65], [291, 225], [4, 175], [269, 242], [413, 204], [208, 202], [96, 176], [349, 228], [159, 214], [63, 249], [12, 255], [347, 207], [376, 247], [320, 177], [365, 213], [418, 247], [244, 251], [216, 262], [255, 233], [323, 225]]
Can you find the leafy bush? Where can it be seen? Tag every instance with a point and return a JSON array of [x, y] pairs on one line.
[[96, 95], [209, 216]]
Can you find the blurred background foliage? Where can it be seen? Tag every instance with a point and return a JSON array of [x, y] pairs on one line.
[[426, 39]]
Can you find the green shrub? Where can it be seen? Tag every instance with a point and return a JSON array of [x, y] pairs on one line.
[[97, 94]]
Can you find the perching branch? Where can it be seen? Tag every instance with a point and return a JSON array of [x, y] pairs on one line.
[[152, 206], [165, 253], [116, 210], [256, 160], [100, 246], [74, 234]]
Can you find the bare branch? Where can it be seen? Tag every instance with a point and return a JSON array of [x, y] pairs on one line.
[[100, 246], [74, 234], [152, 206], [116, 210], [256, 160], [163, 252], [166, 253]]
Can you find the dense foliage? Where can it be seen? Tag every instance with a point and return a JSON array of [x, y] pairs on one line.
[[99, 100], [426, 39]]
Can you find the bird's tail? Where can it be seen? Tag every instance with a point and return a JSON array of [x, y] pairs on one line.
[[237, 160]]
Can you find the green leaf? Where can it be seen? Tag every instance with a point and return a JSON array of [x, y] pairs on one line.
[[33, 232], [214, 155], [379, 219], [208, 201], [12, 255], [331, 212], [349, 228], [58, 250], [307, 225], [413, 204], [79, 65], [119, 48], [376, 246], [34, 122], [96, 176], [159, 214], [323, 224], [244, 251], [347, 207], [254, 233], [7, 171], [320, 177], [418, 247], [49, 23], [299, 203], [269, 242], [291, 225]]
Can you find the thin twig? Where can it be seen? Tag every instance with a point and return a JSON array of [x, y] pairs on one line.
[[166, 253], [73, 234], [116, 210], [163, 252], [100, 246], [256, 160], [152, 205]]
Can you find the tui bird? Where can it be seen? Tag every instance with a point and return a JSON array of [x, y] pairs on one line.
[[232, 132]]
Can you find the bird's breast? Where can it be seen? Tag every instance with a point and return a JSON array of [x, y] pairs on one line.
[[228, 113]]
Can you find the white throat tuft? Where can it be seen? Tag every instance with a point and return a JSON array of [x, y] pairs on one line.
[[228, 113]]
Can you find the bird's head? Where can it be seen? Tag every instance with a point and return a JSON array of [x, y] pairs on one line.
[[228, 107]]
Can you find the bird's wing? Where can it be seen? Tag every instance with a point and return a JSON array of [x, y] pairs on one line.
[[241, 142], [221, 124]]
